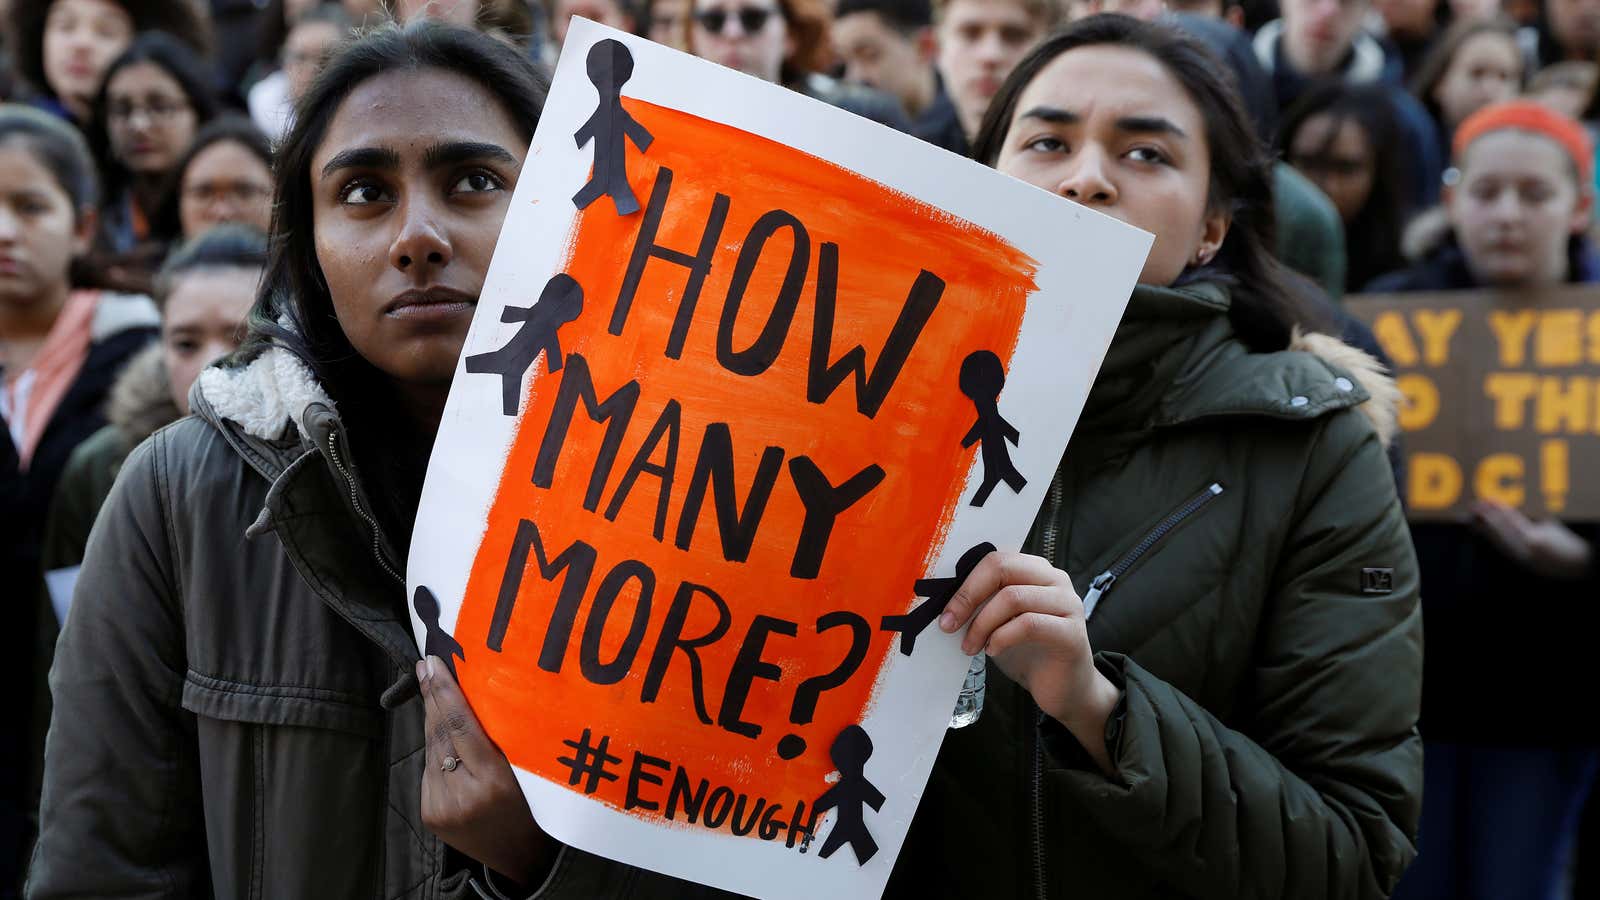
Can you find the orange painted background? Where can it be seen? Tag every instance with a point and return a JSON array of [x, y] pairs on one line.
[[879, 546]]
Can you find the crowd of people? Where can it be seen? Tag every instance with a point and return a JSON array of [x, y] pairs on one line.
[[219, 692]]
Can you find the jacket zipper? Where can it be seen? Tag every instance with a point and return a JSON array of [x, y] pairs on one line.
[[1048, 545], [355, 501], [1104, 581]]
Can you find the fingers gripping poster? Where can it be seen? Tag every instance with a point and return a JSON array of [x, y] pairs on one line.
[[752, 385]]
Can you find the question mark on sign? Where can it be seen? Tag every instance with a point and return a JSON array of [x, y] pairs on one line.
[[810, 690]]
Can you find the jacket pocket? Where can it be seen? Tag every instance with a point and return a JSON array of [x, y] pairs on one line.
[[279, 704], [292, 782], [1152, 539]]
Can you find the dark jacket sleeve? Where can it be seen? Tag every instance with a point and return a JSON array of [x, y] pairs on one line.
[[1316, 788], [120, 814]]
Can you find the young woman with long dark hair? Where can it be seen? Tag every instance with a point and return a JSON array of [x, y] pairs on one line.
[[155, 97], [1346, 139], [236, 702]]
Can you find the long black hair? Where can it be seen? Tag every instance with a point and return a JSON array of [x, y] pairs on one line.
[[1268, 300], [293, 309], [1372, 237], [170, 56]]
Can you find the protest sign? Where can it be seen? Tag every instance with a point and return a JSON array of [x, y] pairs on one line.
[[752, 384], [1502, 398]]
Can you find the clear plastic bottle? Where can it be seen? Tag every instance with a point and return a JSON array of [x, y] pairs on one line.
[[969, 705]]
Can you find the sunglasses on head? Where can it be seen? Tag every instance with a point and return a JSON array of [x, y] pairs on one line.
[[751, 19]]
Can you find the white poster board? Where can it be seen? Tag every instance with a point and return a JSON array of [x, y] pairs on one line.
[[749, 377]]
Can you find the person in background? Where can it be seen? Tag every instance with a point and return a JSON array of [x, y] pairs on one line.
[[784, 42], [155, 98], [1568, 30], [1310, 232], [204, 291], [61, 348], [614, 13], [980, 42], [1503, 798], [1344, 139], [225, 176], [1518, 204], [1320, 40], [1410, 27], [665, 22], [1475, 63], [889, 45], [313, 31], [62, 47]]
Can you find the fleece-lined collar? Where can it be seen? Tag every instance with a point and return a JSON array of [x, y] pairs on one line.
[[270, 393]]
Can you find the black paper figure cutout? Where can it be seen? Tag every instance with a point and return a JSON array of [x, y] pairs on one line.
[[437, 642], [982, 377], [559, 303], [850, 752], [610, 67], [938, 591]]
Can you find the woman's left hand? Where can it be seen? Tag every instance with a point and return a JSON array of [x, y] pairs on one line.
[[474, 804], [1026, 615]]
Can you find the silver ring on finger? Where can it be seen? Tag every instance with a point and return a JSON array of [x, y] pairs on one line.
[[449, 764]]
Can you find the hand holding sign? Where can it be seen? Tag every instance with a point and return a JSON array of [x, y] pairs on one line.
[[1026, 615], [474, 804]]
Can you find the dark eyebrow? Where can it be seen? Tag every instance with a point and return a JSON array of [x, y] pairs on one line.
[[362, 158], [1150, 125], [1136, 124], [1051, 114], [456, 152]]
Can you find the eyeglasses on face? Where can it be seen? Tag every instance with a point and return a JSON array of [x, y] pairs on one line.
[[241, 192], [155, 109], [751, 19]]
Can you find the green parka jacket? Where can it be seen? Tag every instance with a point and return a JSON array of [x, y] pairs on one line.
[[1233, 518], [235, 713]]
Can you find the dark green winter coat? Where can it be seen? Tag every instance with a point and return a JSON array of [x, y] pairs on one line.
[[1269, 641], [265, 740]]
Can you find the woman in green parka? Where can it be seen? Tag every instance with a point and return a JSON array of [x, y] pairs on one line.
[[1204, 678]]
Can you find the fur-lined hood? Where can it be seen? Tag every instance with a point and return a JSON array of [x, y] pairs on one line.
[[141, 400], [262, 397], [1382, 406]]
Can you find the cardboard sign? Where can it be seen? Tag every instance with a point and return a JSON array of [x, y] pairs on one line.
[[752, 385], [1502, 398]]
